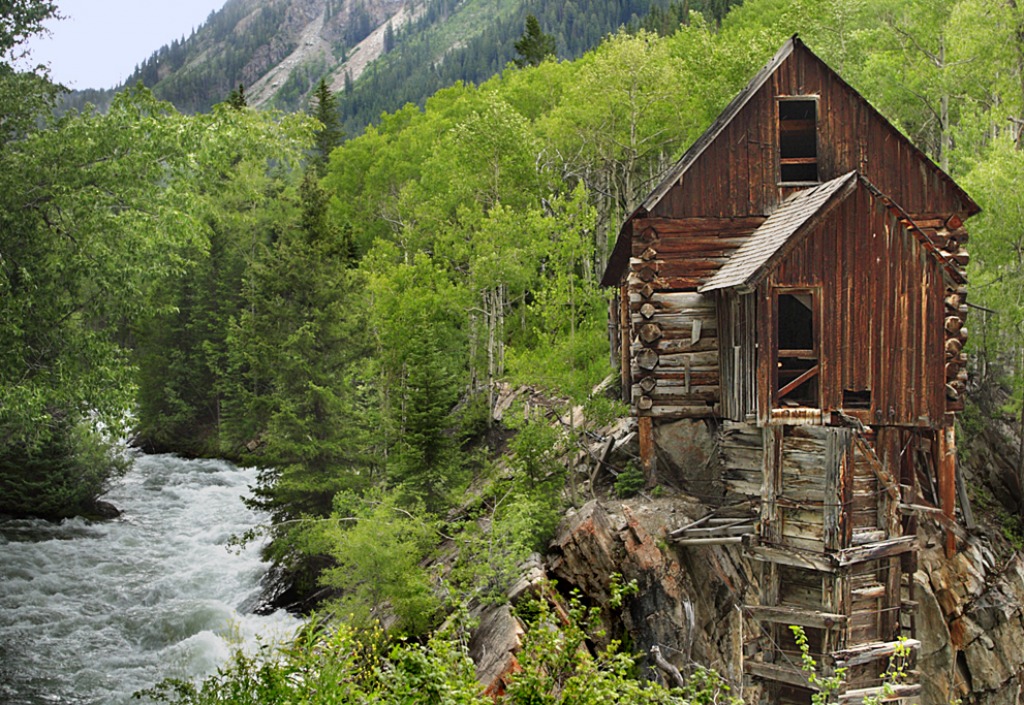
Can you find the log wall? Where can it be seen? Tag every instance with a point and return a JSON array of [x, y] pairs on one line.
[[674, 355]]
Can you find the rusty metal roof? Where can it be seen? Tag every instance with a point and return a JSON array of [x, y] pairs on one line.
[[766, 244]]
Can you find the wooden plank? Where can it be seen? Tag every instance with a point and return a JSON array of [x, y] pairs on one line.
[[866, 653], [806, 376], [878, 550], [714, 541], [706, 532], [780, 674], [747, 489], [895, 692], [791, 557], [648, 456], [680, 411], [787, 616]]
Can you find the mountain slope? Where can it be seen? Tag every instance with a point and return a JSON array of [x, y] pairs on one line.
[[380, 54]]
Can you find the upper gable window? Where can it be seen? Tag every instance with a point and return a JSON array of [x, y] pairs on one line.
[[798, 140]]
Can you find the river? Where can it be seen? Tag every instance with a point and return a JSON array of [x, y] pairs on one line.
[[91, 612]]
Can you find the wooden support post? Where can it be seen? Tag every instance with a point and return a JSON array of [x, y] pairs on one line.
[[624, 344], [771, 471], [947, 482], [648, 456]]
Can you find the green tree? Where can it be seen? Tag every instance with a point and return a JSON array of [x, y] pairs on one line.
[[297, 384], [330, 133], [237, 98], [92, 209], [420, 341], [245, 169], [25, 96], [534, 46], [378, 547]]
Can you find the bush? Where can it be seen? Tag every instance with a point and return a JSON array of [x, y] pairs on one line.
[[61, 478]]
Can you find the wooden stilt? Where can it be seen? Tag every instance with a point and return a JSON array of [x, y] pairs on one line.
[[947, 482], [647, 453]]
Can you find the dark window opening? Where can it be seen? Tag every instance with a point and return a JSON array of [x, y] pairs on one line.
[[797, 362], [798, 141], [856, 398]]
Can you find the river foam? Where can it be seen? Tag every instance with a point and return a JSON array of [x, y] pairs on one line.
[[92, 612]]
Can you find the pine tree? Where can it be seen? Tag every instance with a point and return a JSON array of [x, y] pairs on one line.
[[330, 134], [236, 98], [534, 46]]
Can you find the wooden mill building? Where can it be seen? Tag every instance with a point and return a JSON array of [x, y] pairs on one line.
[[797, 281]]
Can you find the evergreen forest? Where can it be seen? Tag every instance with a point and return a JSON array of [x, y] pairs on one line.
[[249, 284]]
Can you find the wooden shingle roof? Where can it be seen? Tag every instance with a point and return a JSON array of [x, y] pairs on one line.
[[769, 242], [794, 219]]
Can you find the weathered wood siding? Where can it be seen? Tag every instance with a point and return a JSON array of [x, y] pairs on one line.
[[737, 336], [882, 306], [738, 173], [674, 369], [741, 454], [680, 254]]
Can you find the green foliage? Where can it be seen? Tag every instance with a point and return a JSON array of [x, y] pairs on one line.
[[827, 686], [337, 663], [557, 666], [516, 517], [62, 477], [534, 46], [330, 134], [95, 215], [244, 174], [236, 98], [629, 482], [377, 547]]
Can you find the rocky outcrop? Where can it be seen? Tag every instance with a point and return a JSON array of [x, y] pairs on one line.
[[970, 623], [969, 614], [687, 602]]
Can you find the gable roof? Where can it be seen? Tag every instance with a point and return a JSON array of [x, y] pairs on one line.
[[767, 244], [794, 219], [619, 258]]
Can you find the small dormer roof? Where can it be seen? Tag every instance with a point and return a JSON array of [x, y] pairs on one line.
[[770, 241], [793, 220]]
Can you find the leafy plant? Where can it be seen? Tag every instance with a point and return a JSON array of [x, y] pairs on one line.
[[629, 481], [828, 687]]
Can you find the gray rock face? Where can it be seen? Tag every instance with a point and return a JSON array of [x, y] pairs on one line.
[[688, 600], [970, 608]]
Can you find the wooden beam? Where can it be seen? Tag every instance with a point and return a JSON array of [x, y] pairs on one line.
[[895, 692], [879, 549], [779, 674], [866, 653], [789, 556], [795, 616], [947, 482], [965, 502], [813, 372], [710, 541], [648, 455]]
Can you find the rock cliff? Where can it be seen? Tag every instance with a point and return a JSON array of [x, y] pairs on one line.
[[970, 608]]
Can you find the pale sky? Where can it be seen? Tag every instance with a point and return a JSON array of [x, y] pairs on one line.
[[100, 42]]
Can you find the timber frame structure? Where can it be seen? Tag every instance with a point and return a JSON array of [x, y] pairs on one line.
[[797, 281]]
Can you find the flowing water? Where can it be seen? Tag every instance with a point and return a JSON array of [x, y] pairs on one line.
[[92, 612]]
